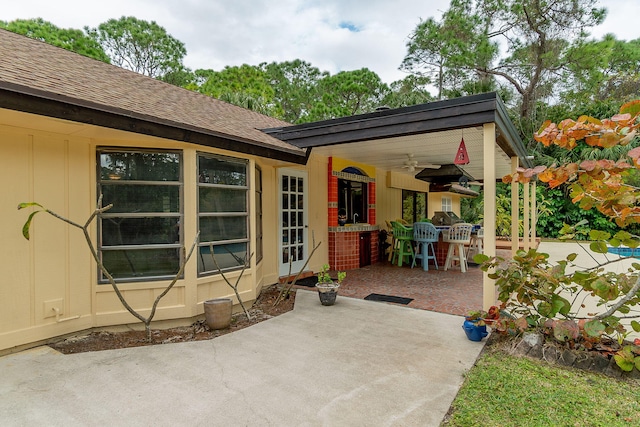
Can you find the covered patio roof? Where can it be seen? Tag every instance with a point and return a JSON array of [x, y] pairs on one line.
[[431, 133]]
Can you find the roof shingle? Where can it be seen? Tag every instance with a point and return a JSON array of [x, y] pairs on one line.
[[38, 69]]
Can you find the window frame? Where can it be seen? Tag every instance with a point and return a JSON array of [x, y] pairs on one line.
[[449, 201], [259, 214], [246, 188], [100, 183]]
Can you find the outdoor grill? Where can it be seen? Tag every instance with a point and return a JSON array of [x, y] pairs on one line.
[[445, 218]]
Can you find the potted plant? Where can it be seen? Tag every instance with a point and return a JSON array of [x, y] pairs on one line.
[[327, 286], [476, 322], [475, 326]]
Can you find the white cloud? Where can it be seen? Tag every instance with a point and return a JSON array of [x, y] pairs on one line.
[[222, 32]]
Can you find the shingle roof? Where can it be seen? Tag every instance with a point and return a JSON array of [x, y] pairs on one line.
[[41, 71]]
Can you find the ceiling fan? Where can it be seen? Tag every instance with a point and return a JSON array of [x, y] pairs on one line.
[[411, 164]]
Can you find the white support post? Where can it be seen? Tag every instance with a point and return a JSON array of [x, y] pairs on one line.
[[515, 208], [489, 224], [525, 213], [534, 213]]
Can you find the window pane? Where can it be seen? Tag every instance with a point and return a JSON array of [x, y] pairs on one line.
[[421, 206], [214, 229], [215, 170], [226, 256], [141, 262], [141, 198], [214, 199], [140, 166], [140, 231], [140, 182]]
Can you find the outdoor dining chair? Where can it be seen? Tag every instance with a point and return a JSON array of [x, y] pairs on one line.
[[425, 235], [403, 247], [458, 236], [475, 245]]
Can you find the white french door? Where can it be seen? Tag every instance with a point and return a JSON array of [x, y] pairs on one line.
[[293, 229]]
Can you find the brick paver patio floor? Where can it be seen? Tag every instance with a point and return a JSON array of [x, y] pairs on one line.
[[442, 291]]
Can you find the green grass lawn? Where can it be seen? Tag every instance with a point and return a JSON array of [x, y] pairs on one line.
[[504, 390]]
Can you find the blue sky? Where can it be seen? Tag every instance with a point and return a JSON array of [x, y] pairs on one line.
[[333, 35]]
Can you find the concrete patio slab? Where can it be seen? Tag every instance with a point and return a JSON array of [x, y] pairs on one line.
[[357, 363]]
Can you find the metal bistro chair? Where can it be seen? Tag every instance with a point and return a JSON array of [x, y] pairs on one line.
[[425, 235], [404, 245], [458, 236]]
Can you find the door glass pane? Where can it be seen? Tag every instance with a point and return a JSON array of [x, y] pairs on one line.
[[292, 205], [285, 201], [300, 185], [285, 219]]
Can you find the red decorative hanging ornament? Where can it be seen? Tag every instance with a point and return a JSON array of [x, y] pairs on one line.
[[462, 158]]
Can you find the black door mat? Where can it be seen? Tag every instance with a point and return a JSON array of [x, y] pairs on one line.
[[309, 282], [388, 298]]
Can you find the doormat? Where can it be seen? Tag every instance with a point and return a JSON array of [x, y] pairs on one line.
[[309, 282], [388, 298]]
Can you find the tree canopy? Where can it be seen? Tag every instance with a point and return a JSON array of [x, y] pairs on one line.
[[464, 48], [140, 46], [70, 39]]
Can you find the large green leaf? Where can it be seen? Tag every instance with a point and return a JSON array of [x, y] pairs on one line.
[[599, 235], [560, 305], [27, 225], [594, 328], [599, 247]]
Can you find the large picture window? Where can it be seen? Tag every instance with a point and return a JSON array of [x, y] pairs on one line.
[[222, 213], [140, 237]]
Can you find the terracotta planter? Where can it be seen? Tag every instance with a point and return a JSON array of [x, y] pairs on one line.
[[327, 292], [217, 313]]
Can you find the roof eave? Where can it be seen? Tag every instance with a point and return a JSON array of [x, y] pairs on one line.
[[28, 100]]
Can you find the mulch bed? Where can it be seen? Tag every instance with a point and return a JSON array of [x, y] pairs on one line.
[[261, 310]]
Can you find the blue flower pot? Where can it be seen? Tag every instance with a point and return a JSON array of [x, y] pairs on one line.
[[474, 332]]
